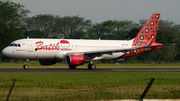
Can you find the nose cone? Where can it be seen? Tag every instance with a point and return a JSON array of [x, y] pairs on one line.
[[5, 51]]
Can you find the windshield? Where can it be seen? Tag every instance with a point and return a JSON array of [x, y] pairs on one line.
[[11, 45], [15, 45]]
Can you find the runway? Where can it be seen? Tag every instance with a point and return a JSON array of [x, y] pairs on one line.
[[83, 70]]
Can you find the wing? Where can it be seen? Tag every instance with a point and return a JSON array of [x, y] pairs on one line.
[[92, 54]]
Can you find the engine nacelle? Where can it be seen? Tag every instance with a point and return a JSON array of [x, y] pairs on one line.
[[47, 62], [75, 60]]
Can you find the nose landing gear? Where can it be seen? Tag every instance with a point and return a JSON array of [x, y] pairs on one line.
[[26, 64]]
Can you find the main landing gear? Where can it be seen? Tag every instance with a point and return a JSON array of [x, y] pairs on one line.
[[91, 66], [26, 62], [72, 67]]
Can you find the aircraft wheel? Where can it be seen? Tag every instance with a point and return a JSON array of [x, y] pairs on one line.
[[72, 67], [92, 66], [25, 66]]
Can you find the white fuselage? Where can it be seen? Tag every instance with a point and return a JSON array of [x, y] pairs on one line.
[[58, 48]]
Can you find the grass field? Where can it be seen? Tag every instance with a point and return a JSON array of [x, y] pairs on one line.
[[36, 65], [89, 86]]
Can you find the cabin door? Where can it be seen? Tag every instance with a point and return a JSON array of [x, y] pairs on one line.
[[29, 46]]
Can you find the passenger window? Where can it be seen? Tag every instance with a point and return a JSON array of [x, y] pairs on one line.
[[19, 45]]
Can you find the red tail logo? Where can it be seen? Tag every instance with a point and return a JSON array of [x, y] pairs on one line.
[[148, 32], [146, 37]]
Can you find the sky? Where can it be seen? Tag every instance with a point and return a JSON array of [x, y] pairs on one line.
[[102, 10]]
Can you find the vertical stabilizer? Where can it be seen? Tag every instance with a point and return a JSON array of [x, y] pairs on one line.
[[148, 32]]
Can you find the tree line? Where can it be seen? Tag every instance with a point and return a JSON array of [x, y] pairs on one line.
[[15, 24]]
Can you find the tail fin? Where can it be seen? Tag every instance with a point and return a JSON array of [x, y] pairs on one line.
[[148, 32]]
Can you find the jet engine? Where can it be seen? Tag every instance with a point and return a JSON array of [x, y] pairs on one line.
[[47, 62], [75, 60]]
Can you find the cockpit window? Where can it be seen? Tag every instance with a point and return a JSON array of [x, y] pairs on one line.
[[11, 45], [19, 45], [15, 45]]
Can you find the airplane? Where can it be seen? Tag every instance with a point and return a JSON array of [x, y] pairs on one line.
[[77, 52]]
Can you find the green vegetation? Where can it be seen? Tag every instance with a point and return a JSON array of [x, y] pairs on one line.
[[89, 86], [11, 28]]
